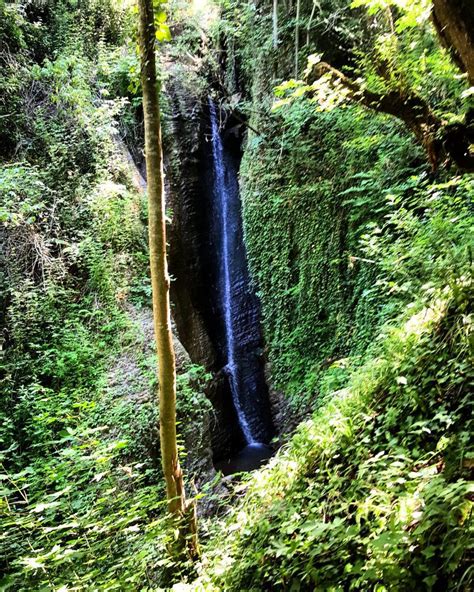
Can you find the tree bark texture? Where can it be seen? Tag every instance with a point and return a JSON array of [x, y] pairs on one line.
[[454, 22], [275, 23], [159, 276], [297, 38]]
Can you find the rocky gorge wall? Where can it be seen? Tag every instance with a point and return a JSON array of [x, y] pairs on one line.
[[193, 253]]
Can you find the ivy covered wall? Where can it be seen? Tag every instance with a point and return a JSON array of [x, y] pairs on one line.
[[310, 192], [317, 188]]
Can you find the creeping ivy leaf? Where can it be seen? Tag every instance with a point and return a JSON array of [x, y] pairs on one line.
[[160, 17], [163, 32], [32, 563]]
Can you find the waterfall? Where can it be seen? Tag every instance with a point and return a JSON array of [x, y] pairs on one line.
[[239, 307]]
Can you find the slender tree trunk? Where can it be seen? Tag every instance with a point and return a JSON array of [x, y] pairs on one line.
[[310, 22], [159, 275], [275, 23], [297, 38]]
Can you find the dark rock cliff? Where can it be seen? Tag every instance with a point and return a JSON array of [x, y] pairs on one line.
[[186, 155]]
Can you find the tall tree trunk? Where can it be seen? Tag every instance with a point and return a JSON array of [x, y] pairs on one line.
[[160, 278], [297, 38], [275, 23], [454, 22], [310, 22]]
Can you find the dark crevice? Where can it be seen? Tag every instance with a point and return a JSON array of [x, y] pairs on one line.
[[195, 252]]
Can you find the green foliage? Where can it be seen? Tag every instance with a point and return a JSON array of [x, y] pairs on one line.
[[81, 483], [88, 508], [81, 514], [60, 230], [308, 197], [370, 494], [431, 225], [361, 260], [410, 58], [81, 479], [162, 30]]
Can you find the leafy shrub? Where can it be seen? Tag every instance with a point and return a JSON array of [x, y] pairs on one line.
[[370, 493]]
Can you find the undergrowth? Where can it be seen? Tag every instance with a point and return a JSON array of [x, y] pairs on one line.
[[89, 508], [373, 492], [81, 488]]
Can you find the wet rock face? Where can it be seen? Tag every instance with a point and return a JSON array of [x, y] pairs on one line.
[[183, 135], [226, 436], [193, 246], [129, 381], [184, 139], [284, 418]]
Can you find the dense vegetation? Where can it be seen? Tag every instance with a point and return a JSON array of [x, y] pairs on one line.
[[371, 493], [360, 247], [81, 482]]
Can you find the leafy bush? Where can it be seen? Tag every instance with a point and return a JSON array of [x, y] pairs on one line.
[[372, 493]]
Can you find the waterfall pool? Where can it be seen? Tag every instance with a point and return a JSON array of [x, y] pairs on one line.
[[252, 457]]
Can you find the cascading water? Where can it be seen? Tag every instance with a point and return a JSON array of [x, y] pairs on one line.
[[238, 305], [223, 194]]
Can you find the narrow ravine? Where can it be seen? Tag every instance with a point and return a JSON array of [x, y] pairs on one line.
[[239, 310], [224, 192]]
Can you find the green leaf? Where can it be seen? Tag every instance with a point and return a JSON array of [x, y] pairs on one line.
[[163, 33]]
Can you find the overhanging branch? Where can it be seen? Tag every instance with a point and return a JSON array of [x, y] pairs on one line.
[[433, 134]]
